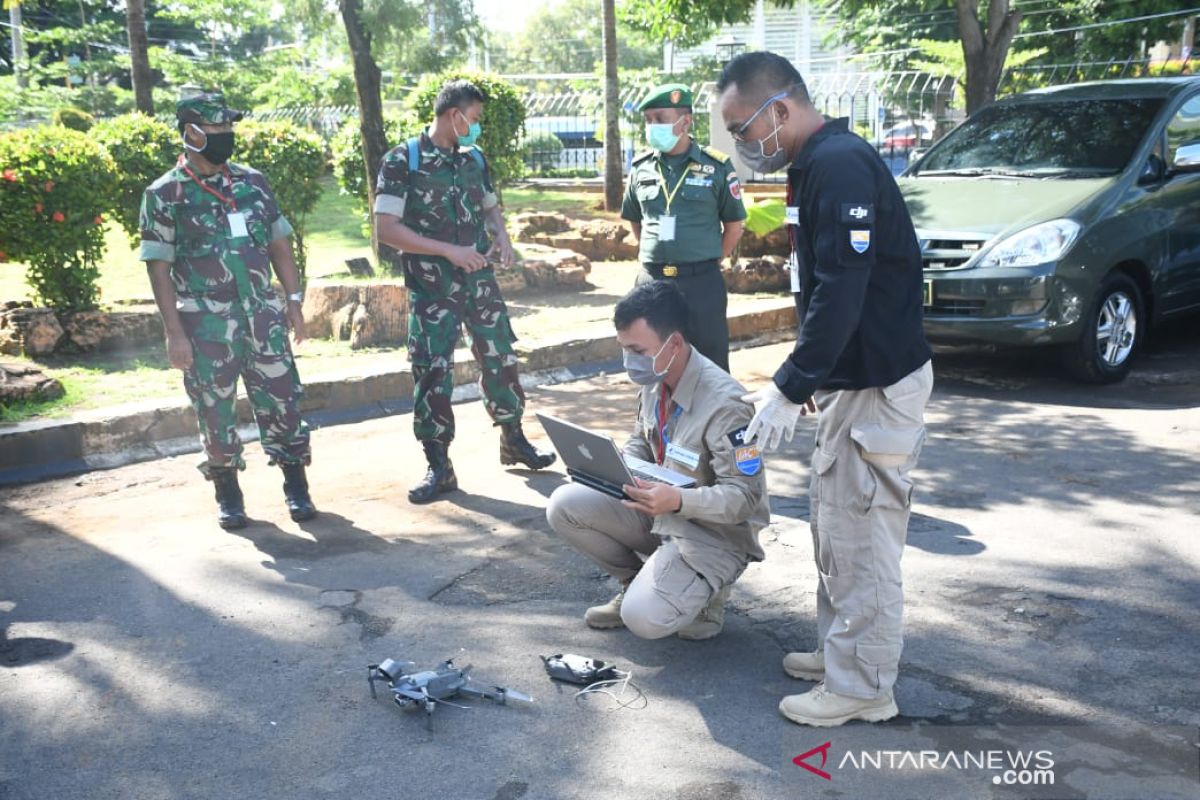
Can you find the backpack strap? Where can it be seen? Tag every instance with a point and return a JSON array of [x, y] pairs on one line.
[[414, 153], [476, 154]]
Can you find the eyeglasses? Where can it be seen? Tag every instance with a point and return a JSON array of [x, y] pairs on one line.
[[740, 134]]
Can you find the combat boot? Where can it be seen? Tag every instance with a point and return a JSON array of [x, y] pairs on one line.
[[516, 449], [295, 492], [231, 513], [824, 709], [709, 621], [607, 616], [805, 666], [439, 477]]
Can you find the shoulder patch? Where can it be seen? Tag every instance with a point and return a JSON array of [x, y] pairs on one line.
[[640, 157], [748, 459], [858, 213], [737, 437], [714, 153]]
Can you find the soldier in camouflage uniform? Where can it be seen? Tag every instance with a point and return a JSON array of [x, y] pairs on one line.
[[435, 203], [211, 232]]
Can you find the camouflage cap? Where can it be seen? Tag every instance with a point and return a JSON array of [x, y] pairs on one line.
[[206, 109], [669, 95]]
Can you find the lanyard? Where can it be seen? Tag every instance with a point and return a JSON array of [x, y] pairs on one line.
[[229, 201], [662, 180], [661, 421]]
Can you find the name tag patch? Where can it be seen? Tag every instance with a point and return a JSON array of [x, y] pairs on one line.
[[860, 241], [689, 458], [699, 181], [748, 459]]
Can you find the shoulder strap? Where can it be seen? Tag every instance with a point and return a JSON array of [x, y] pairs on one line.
[[714, 153], [476, 154], [642, 156]]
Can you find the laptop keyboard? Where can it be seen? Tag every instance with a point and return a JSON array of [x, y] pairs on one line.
[[647, 476]]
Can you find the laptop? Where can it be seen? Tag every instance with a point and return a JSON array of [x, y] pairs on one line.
[[595, 461]]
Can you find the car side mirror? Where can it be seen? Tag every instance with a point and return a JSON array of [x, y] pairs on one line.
[[1154, 171], [1187, 158]]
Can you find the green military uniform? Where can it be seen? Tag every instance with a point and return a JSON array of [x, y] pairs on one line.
[[699, 190], [445, 198], [214, 233]]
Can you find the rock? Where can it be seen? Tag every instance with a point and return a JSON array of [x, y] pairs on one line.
[[597, 239], [32, 331], [774, 243], [341, 320], [100, 330], [320, 304], [362, 328], [533, 223], [554, 269], [23, 384], [388, 307], [511, 281], [769, 274]]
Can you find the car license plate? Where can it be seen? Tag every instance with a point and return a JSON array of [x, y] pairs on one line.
[[928, 293]]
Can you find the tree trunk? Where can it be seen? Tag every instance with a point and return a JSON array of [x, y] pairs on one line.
[[370, 101], [613, 162], [985, 51], [139, 56], [19, 59]]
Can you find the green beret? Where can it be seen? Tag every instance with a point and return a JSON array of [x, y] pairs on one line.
[[206, 109], [669, 95]]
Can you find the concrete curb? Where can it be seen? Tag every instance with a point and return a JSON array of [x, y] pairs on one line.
[[111, 437]]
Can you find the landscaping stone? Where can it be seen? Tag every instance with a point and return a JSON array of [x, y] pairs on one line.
[[363, 314], [596, 239], [546, 269], [100, 330], [29, 331], [24, 384], [766, 274]]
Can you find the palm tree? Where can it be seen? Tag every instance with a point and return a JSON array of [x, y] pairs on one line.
[[139, 56], [612, 127]]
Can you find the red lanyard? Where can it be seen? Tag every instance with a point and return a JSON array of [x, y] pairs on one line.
[[229, 201], [662, 420]]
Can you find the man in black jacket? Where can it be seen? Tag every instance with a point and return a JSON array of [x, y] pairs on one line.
[[861, 359]]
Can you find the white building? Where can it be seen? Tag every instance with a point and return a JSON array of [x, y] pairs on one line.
[[798, 34]]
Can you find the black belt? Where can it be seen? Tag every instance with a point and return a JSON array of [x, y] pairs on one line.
[[682, 270]]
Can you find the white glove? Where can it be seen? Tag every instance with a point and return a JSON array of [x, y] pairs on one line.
[[775, 416]]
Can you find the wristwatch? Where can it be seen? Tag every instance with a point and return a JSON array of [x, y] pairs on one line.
[[296, 297]]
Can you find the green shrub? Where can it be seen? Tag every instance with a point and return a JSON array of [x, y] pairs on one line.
[[541, 151], [503, 119], [143, 148], [293, 160], [348, 166], [74, 118], [55, 186]]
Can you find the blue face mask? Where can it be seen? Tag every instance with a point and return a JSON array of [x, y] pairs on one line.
[[474, 129], [661, 136], [640, 367]]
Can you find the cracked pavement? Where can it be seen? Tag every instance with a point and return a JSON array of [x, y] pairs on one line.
[[1051, 577]]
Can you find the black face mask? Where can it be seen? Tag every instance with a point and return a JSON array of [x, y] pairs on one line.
[[218, 147]]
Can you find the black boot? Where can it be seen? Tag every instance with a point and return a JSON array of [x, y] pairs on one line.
[[516, 449], [295, 492], [232, 507], [440, 476]]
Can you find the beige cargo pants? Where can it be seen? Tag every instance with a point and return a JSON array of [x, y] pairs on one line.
[[868, 442]]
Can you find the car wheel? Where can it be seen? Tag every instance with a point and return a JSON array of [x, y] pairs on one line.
[[1112, 333]]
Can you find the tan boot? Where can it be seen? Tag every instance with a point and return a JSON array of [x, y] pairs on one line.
[[607, 616], [805, 666], [709, 621], [824, 709]]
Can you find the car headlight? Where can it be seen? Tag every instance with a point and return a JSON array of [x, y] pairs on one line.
[[1040, 244]]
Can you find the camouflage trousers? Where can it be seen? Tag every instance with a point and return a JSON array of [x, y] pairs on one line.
[[441, 301], [228, 342]]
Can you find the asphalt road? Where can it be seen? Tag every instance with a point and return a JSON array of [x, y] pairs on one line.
[[1052, 577]]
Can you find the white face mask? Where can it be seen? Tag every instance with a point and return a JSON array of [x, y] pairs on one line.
[[640, 366]]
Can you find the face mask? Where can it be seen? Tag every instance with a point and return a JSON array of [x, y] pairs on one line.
[[218, 147], [474, 129], [661, 136], [755, 156], [641, 367]]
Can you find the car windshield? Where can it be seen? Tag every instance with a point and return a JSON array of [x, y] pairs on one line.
[[1070, 138]]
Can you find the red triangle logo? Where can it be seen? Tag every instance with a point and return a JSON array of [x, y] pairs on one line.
[[800, 760]]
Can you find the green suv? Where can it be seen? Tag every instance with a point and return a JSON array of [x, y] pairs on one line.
[[1067, 216]]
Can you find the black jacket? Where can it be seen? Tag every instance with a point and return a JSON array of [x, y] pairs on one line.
[[860, 303]]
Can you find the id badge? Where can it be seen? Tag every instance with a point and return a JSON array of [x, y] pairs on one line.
[[689, 458], [666, 229], [792, 215], [794, 272], [237, 224]]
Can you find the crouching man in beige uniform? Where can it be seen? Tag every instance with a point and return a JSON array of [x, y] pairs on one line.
[[694, 542]]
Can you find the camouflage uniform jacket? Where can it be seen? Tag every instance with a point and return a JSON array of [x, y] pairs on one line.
[[189, 228], [445, 198]]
